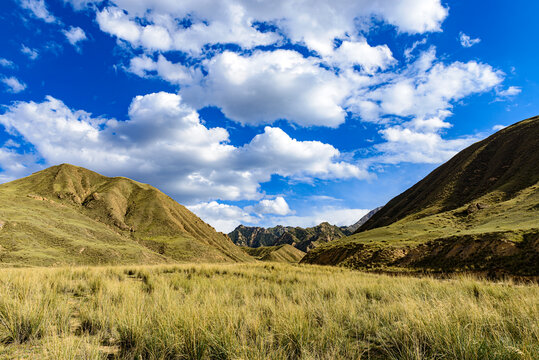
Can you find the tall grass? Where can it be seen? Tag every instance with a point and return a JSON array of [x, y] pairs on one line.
[[261, 311]]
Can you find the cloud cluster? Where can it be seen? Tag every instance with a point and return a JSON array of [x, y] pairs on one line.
[[191, 25], [165, 143]]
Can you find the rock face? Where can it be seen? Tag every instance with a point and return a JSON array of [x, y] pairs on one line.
[[303, 239], [477, 212]]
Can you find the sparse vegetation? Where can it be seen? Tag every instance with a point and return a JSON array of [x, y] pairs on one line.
[[261, 311]]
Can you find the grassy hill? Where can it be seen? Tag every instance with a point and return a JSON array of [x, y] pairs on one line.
[[280, 253], [479, 212], [70, 215]]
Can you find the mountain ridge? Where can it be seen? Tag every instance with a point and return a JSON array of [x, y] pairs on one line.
[[303, 239]]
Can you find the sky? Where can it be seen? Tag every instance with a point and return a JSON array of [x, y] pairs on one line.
[[261, 113]]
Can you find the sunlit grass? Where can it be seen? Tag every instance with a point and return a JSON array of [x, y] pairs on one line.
[[261, 311]]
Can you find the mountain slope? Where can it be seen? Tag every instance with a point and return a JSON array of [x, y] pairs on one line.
[[479, 211], [279, 253], [70, 215], [303, 239], [502, 165]]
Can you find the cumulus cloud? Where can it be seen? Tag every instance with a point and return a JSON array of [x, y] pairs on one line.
[[222, 217], [370, 58], [74, 35], [466, 41], [13, 84], [425, 88], [38, 9], [165, 143], [267, 86], [277, 206], [404, 143], [31, 53]]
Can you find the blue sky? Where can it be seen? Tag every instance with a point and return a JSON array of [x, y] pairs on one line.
[[261, 113]]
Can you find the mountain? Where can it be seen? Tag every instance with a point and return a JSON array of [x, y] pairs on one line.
[[279, 253], [353, 228], [70, 215], [479, 211], [303, 239]]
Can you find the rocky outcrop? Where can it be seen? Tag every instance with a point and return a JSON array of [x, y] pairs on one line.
[[303, 239]]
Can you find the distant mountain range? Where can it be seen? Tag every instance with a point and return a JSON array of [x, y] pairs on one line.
[[303, 239], [477, 212], [70, 215]]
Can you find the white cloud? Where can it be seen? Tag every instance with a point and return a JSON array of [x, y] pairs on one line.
[[277, 206], [13, 84], [39, 9], [145, 66], [404, 143], [425, 88], [510, 91], [116, 22], [370, 58], [409, 51], [31, 53], [280, 154], [466, 41], [315, 24], [165, 143], [75, 35], [267, 86], [333, 215], [6, 63], [222, 217]]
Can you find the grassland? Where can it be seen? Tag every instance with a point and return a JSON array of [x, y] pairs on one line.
[[260, 311]]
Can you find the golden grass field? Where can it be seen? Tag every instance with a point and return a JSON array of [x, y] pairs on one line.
[[261, 311]]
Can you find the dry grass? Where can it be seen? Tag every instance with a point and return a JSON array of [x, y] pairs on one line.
[[261, 311]]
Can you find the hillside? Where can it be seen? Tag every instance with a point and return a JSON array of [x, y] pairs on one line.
[[303, 239], [280, 253], [479, 211], [70, 215]]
